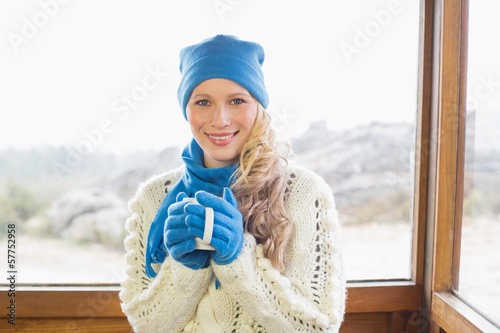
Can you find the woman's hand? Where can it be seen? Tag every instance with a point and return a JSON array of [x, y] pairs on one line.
[[227, 235], [179, 241]]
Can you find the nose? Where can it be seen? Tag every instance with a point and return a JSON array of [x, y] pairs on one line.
[[221, 117]]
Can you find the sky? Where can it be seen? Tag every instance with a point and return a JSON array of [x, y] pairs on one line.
[[103, 75]]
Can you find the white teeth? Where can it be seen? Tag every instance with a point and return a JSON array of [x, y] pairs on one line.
[[221, 137]]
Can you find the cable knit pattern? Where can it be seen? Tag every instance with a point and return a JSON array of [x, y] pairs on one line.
[[253, 296]]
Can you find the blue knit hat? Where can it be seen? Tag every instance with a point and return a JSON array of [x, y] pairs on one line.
[[223, 57]]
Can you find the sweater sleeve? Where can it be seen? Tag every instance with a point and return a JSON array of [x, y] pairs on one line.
[[310, 295], [167, 302]]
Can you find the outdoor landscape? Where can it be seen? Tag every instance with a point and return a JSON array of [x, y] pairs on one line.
[[368, 169], [71, 228]]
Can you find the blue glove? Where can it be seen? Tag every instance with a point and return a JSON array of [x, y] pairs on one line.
[[227, 236], [179, 241]]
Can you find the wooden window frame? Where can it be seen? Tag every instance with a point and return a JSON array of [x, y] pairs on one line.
[[96, 308], [439, 156], [448, 311]]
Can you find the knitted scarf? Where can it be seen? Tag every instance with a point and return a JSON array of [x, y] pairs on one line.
[[195, 178]]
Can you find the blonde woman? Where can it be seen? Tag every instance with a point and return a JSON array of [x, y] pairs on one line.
[[237, 239]]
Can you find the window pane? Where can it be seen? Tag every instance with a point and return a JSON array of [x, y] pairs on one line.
[[92, 112], [479, 265], [365, 147]]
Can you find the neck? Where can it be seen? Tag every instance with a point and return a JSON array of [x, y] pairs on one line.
[[211, 163]]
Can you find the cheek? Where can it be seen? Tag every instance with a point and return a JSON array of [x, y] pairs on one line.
[[248, 118], [193, 119]]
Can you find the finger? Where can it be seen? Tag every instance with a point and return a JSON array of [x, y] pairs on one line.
[[221, 234], [195, 209], [175, 222], [220, 220], [182, 248], [220, 243], [217, 204], [221, 247], [181, 196], [195, 232], [229, 197], [226, 222], [194, 221], [177, 208], [196, 227], [173, 237]]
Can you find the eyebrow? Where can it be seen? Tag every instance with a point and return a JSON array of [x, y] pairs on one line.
[[199, 95], [239, 93], [203, 95]]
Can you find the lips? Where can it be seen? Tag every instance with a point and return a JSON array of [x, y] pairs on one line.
[[225, 137], [221, 139]]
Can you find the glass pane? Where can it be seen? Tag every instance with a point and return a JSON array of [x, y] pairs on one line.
[[89, 111], [479, 265], [365, 146]]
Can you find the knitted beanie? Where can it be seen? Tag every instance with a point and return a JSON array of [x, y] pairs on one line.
[[223, 57]]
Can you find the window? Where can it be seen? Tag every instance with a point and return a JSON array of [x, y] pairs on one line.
[[369, 125], [433, 298], [454, 302], [479, 267], [103, 117]]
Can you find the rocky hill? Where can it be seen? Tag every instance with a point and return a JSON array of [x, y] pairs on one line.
[[362, 165], [369, 169]]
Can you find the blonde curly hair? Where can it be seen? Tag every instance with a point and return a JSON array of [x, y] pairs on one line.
[[260, 189]]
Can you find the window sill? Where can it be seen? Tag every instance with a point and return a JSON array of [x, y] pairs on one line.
[[453, 315], [103, 301]]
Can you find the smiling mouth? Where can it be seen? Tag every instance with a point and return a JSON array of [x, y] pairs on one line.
[[225, 137]]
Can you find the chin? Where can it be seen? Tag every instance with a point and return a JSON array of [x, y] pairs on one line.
[[224, 158]]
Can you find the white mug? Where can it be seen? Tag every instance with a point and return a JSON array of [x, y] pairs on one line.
[[204, 244]]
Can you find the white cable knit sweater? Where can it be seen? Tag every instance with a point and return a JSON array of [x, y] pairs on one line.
[[253, 296]]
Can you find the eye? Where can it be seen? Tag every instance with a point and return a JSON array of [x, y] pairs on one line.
[[237, 101], [202, 102]]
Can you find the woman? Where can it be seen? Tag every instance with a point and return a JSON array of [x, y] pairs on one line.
[[275, 262]]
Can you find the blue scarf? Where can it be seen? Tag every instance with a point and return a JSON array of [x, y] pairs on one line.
[[195, 178]]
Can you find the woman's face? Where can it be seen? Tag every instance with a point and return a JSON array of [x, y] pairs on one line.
[[221, 114]]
